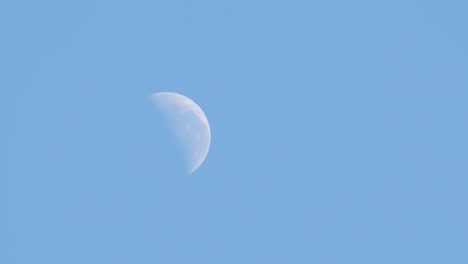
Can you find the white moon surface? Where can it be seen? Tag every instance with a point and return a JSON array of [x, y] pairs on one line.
[[188, 123]]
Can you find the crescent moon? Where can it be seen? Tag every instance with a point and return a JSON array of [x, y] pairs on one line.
[[189, 124]]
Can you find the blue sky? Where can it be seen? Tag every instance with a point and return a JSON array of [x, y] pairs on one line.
[[339, 132]]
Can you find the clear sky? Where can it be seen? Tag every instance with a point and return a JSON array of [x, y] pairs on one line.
[[339, 132]]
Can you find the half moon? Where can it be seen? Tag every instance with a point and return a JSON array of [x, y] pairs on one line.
[[189, 125]]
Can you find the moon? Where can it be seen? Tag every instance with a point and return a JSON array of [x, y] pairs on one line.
[[188, 123]]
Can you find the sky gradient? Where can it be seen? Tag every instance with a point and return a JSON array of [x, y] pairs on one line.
[[339, 132]]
